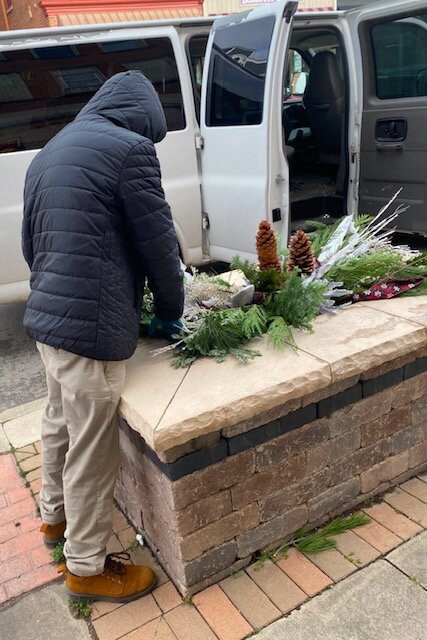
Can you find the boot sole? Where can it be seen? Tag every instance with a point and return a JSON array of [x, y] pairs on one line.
[[88, 597]]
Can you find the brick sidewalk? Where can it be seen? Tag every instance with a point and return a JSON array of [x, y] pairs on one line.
[[235, 608]]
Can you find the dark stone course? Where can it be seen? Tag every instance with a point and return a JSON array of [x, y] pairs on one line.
[[299, 418], [369, 387], [250, 439], [415, 368], [339, 401], [190, 463]]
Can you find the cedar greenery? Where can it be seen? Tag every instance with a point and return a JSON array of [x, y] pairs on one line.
[[317, 541]]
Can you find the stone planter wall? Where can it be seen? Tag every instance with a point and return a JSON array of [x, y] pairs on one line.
[[209, 504]]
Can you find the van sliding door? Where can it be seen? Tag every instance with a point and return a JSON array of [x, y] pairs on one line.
[[392, 42]]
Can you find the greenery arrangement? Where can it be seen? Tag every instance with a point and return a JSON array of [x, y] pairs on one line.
[[320, 270], [319, 540]]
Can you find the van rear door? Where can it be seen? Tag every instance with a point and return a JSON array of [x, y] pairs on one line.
[[244, 171], [390, 40]]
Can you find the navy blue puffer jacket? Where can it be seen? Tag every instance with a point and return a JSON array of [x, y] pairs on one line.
[[96, 224]]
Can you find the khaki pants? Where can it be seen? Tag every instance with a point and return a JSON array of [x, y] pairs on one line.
[[80, 453]]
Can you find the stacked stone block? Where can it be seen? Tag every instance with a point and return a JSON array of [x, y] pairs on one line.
[[207, 509]]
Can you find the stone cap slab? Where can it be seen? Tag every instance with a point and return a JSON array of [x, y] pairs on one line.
[[169, 407]]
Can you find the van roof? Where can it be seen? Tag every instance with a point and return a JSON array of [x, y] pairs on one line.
[[50, 32]]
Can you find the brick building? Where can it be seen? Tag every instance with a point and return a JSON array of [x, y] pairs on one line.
[[30, 14]]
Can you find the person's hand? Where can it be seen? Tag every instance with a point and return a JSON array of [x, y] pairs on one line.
[[163, 328]]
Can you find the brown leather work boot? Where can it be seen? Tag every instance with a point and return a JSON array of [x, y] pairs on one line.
[[53, 534], [117, 583]]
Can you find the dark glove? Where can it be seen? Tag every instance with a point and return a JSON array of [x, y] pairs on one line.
[[162, 328]]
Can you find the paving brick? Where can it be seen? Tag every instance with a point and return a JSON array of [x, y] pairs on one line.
[[119, 520], [114, 545], [15, 567], [101, 608], [3, 596], [221, 531], [17, 511], [35, 474], [3, 501], [28, 449], [416, 488], [221, 615], [157, 629], [38, 446], [130, 616], [8, 473], [393, 521], [8, 531], [127, 537], [36, 485], [408, 505], [22, 544], [378, 536], [248, 598], [18, 494], [23, 455], [30, 580], [187, 624], [355, 549], [281, 590], [167, 597], [303, 572], [423, 477], [40, 556], [333, 564], [31, 463]]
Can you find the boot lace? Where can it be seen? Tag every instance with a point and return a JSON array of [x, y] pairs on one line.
[[113, 566]]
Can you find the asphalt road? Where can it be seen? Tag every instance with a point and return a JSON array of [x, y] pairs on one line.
[[21, 371]]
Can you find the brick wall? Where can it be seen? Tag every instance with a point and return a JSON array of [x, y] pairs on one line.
[[27, 14], [207, 523]]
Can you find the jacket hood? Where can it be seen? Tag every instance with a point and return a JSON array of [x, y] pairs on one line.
[[129, 100]]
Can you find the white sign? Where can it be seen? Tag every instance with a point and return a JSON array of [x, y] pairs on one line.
[[244, 2]]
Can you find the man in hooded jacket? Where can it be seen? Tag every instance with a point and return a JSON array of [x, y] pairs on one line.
[[96, 226]]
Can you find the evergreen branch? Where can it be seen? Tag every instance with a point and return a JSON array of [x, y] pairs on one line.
[[279, 333], [320, 540]]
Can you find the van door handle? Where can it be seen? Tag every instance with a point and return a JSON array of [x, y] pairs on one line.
[[389, 146]]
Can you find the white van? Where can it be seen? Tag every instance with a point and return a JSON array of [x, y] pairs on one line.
[[271, 114]]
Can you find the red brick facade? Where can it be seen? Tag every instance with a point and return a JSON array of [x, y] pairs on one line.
[[30, 14]]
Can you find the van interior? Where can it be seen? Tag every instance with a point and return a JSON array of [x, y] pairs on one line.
[[313, 119]]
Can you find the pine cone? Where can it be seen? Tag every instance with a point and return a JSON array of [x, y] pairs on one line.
[[300, 253], [266, 247]]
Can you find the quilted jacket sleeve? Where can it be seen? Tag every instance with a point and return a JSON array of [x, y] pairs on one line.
[[150, 228]]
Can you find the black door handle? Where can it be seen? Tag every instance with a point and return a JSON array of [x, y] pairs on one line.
[[391, 130]]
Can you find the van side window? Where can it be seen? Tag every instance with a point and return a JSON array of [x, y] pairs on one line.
[[42, 89], [400, 53], [237, 73]]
